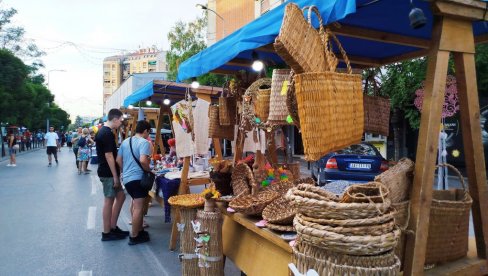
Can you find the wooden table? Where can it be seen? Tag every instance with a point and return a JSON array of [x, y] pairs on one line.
[[255, 251]]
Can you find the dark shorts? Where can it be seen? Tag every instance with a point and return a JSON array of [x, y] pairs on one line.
[[52, 150], [135, 190]]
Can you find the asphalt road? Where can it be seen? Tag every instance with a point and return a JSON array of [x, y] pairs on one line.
[[50, 221]]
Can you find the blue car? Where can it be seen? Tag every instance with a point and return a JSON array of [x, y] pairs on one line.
[[356, 163]]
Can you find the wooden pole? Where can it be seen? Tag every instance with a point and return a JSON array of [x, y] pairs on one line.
[[159, 125]]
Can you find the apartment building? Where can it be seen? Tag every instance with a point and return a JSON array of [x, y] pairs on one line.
[[235, 14], [116, 69]]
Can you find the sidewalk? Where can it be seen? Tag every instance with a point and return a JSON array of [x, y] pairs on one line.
[[6, 157]]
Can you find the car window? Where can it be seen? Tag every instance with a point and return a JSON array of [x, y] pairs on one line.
[[359, 149]]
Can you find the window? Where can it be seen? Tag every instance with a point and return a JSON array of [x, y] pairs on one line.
[[359, 149]]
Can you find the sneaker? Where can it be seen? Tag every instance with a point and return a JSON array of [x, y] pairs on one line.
[[57, 162], [49, 165], [143, 233], [119, 232], [139, 239], [14, 165], [9, 165], [111, 237]]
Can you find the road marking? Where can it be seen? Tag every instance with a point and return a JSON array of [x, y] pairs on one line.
[[92, 213], [94, 185], [85, 273]]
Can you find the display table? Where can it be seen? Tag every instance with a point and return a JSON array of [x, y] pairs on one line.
[[255, 251]]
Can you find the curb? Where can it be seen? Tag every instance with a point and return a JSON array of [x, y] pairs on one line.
[[6, 157]]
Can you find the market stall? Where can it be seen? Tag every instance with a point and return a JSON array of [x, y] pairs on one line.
[[375, 33]]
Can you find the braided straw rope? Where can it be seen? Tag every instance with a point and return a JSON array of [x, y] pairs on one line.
[[279, 227], [352, 222], [369, 192], [348, 244]]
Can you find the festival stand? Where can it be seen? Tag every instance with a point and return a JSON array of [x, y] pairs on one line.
[[452, 33]]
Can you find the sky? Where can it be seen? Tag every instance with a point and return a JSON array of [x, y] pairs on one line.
[[98, 29]]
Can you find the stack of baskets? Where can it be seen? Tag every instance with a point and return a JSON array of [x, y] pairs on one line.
[[357, 232]]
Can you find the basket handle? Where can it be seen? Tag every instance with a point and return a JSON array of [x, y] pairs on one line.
[[313, 9], [326, 41], [459, 175]]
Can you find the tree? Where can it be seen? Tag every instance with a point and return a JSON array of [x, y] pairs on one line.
[[186, 40], [78, 122]]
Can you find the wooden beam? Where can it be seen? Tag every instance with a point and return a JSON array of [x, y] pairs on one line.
[[269, 48], [370, 62], [223, 72], [473, 145], [421, 196], [470, 10], [406, 56], [481, 39], [239, 62], [368, 34]]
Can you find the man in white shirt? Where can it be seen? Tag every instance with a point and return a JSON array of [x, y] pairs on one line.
[[52, 142]]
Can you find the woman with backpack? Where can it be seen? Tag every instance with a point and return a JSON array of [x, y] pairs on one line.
[[84, 151]]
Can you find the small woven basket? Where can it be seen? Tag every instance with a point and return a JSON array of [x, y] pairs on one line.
[[291, 101], [248, 115], [449, 223], [242, 179], [186, 201], [277, 107], [398, 179], [280, 211], [215, 130], [253, 204], [363, 193], [227, 109], [261, 103], [280, 227], [299, 44], [307, 256], [376, 115]]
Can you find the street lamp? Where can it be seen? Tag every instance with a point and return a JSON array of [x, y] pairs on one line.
[[203, 7], [48, 83]]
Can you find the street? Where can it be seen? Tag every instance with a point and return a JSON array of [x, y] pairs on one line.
[[51, 225]]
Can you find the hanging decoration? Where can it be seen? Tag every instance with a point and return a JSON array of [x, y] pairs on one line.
[[451, 103]]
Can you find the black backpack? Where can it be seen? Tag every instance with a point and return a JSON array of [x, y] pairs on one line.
[[82, 142]]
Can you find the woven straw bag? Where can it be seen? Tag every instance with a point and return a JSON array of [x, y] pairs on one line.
[[449, 223], [261, 103], [330, 106], [376, 109], [398, 179], [278, 110], [299, 44], [291, 101], [280, 211], [242, 179], [248, 116], [215, 130], [227, 109]]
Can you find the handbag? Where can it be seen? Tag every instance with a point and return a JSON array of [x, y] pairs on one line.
[[16, 147], [147, 179]]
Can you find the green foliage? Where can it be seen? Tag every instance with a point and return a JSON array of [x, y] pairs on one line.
[[186, 40], [481, 60], [78, 122]]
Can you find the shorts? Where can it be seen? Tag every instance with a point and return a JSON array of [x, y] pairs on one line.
[[12, 151], [108, 187], [52, 150], [135, 190]]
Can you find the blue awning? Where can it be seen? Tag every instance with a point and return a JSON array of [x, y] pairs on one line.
[[259, 32], [142, 93], [386, 16]]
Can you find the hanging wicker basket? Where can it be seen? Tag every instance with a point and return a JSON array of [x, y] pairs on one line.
[[215, 129], [261, 103], [278, 110], [227, 109]]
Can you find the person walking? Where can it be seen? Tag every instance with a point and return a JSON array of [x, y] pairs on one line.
[[12, 149], [109, 173], [68, 141], [52, 143], [135, 152], [84, 151], [74, 141]]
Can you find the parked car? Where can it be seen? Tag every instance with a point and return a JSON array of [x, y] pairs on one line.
[[356, 163]]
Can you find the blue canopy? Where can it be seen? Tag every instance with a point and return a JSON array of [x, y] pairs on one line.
[[379, 18], [141, 94]]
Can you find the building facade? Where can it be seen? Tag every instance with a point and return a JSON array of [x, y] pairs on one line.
[[117, 69]]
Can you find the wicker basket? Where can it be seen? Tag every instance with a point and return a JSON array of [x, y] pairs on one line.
[[402, 215], [227, 109], [398, 179], [261, 103], [348, 244], [277, 107], [242, 179], [330, 106], [307, 256], [186, 201], [253, 204], [280, 211], [280, 227], [188, 258], [299, 44], [249, 119], [291, 101], [449, 223], [213, 263], [376, 115], [364, 193], [280, 187], [215, 130], [389, 216]]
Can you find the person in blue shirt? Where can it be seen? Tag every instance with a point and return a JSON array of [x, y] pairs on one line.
[[131, 174]]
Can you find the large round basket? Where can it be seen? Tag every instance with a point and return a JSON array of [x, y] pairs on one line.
[[280, 211], [253, 204], [398, 179], [363, 193], [307, 256], [348, 244], [389, 216]]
